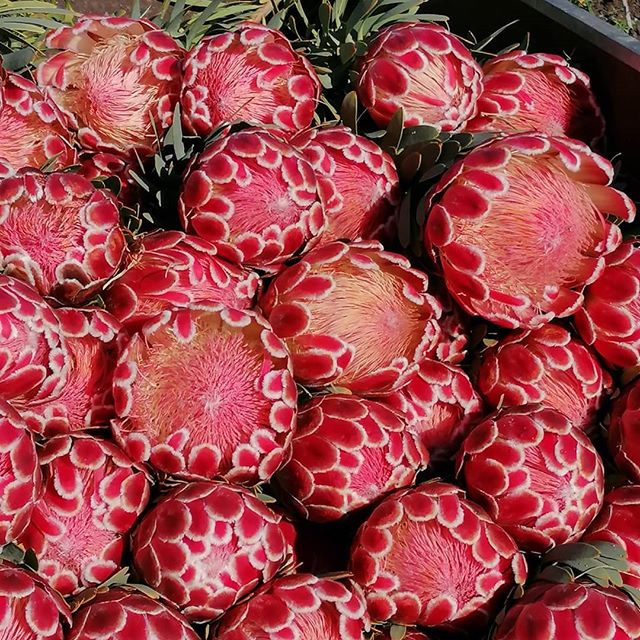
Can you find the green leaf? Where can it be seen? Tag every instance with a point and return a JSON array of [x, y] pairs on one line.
[[347, 51], [417, 135], [393, 134], [408, 166], [556, 574], [30, 559], [633, 593], [610, 550], [119, 578], [324, 16], [349, 111], [136, 11], [397, 632], [570, 551], [12, 553], [147, 590]]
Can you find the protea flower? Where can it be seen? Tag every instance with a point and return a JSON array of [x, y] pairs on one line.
[[206, 394], [348, 452], [545, 366], [519, 227], [427, 556], [440, 406], [92, 498], [29, 609], [20, 477], [537, 92], [254, 197], [123, 613], [116, 79], [423, 69], [34, 131], [537, 475], [251, 74], [359, 181], [353, 315], [300, 607], [610, 317], [206, 545], [172, 269], [624, 436], [59, 233], [454, 325]]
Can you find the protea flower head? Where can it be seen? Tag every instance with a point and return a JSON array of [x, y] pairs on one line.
[[206, 545], [122, 613], [519, 227], [206, 394], [29, 609], [172, 269], [572, 611], [92, 498], [33, 354], [427, 556], [300, 607], [59, 233], [359, 181], [536, 474], [251, 74], [116, 79], [20, 476], [546, 366], [537, 92], [624, 436], [423, 69], [254, 197], [353, 315], [348, 452], [34, 132], [610, 317], [440, 406]]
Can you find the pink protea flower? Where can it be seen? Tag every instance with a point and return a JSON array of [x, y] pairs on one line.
[[123, 613], [353, 315], [254, 197], [427, 556], [537, 475], [112, 77], [172, 269], [537, 92], [359, 182], [34, 131], [545, 366], [20, 477], [440, 406], [207, 545], [59, 233], [454, 325], [29, 609], [92, 498], [300, 607], [348, 452], [206, 394], [423, 69], [624, 435], [252, 74], [610, 317], [519, 227]]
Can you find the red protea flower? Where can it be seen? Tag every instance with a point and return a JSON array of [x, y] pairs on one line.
[[92, 498], [544, 366], [20, 477], [440, 405], [454, 324], [624, 436], [300, 607], [29, 609], [34, 131], [33, 355], [252, 74], [519, 227], [572, 611], [206, 545], [359, 181], [59, 233], [254, 197], [610, 317], [112, 78], [537, 92], [353, 315], [206, 394], [172, 269], [427, 556], [347, 453], [125, 614], [537, 475], [423, 69]]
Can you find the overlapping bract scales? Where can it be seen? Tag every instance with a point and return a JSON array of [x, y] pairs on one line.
[[624, 435]]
